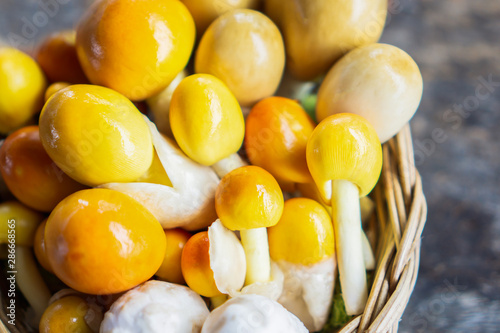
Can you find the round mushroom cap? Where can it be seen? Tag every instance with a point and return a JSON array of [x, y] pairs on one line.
[[277, 130], [244, 49], [252, 313], [206, 119], [135, 47], [156, 307], [247, 198], [344, 146], [379, 82], [96, 135], [304, 234]]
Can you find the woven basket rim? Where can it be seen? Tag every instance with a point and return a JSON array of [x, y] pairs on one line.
[[401, 212]]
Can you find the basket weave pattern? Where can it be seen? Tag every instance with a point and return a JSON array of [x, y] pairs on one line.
[[401, 212]]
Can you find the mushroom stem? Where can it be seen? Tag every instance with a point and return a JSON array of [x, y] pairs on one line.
[[256, 248], [228, 164], [367, 252], [30, 282], [217, 301], [347, 223]]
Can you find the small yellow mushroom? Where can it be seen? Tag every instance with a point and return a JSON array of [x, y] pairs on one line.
[[250, 200], [344, 156], [55, 87], [22, 84], [18, 228], [213, 263], [302, 243], [380, 82], [67, 314], [96, 135], [205, 11], [207, 122], [245, 50]]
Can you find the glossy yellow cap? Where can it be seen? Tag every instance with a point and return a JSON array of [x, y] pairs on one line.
[[22, 87], [170, 270], [96, 135], [196, 265], [66, 315], [304, 234], [18, 217], [53, 88], [205, 11], [245, 50], [135, 47], [206, 119], [344, 146], [247, 198], [277, 130]]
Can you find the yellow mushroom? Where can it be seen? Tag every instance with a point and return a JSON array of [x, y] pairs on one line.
[[318, 32], [18, 228], [170, 269], [96, 135], [380, 82], [213, 263], [53, 88], [22, 85], [205, 11], [344, 156], [250, 200], [67, 314], [302, 243], [207, 122], [245, 50]]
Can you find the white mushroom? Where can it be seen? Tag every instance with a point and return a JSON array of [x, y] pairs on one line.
[[252, 313], [189, 202], [156, 306]]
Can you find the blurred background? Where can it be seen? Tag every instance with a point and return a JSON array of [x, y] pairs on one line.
[[456, 43]]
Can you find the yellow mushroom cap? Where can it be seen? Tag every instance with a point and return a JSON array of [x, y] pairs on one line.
[[206, 119], [55, 87], [22, 86], [245, 50], [344, 146], [247, 198], [22, 219], [195, 264], [205, 11], [96, 135], [380, 82], [135, 47], [277, 130], [170, 269], [304, 234], [67, 314]]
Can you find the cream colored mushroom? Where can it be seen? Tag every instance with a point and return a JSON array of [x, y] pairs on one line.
[[380, 82], [155, 306], [252, 313]]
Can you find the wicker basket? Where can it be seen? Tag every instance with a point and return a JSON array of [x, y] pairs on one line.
[[396, 229]]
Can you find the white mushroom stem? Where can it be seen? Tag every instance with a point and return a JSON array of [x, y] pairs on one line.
[[347, 223], [228, 164], [30, 282], [367, 252], [256, 248], [217, 301]]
